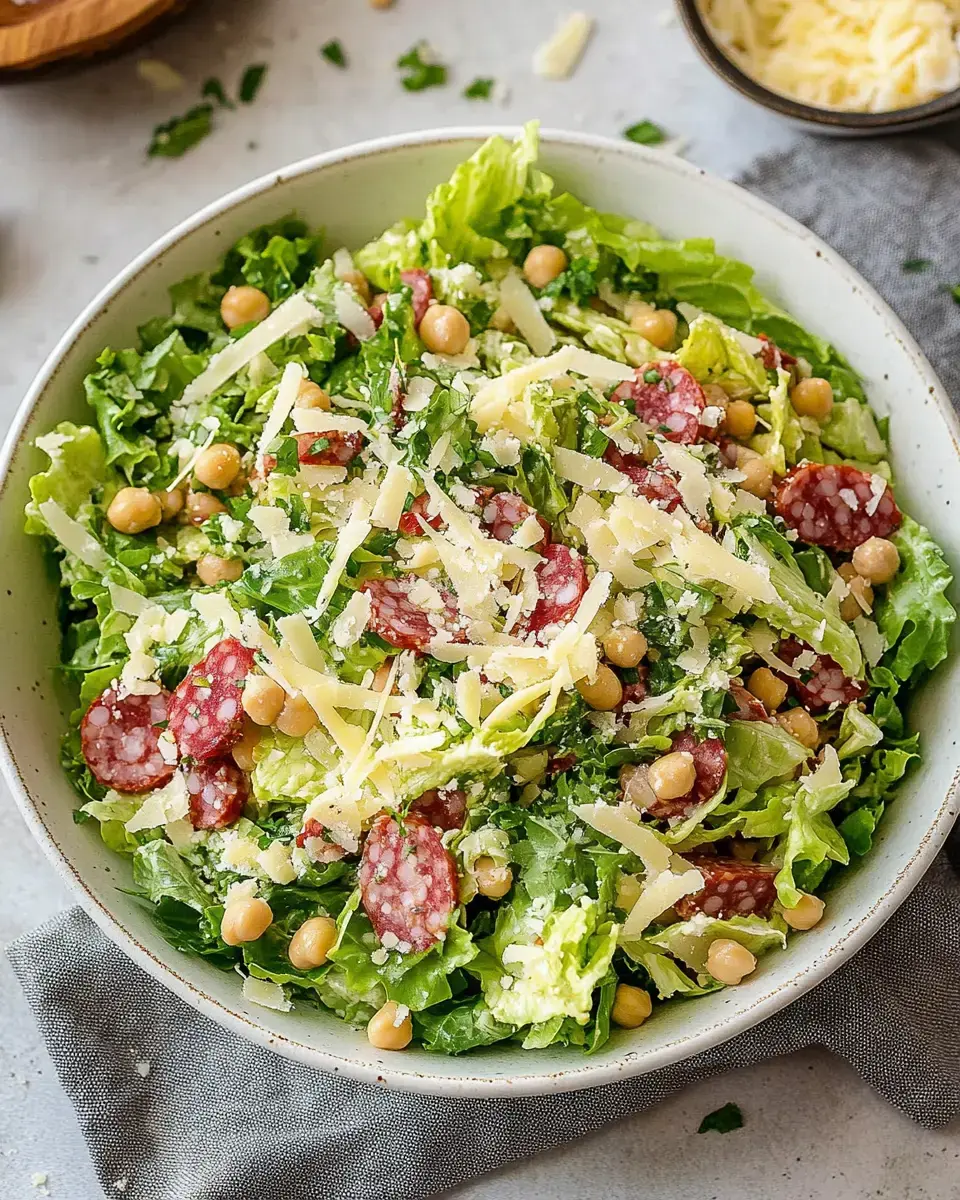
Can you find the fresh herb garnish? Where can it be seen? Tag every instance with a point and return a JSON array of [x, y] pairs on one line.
[[285, 451], [319, 445], [651, 376], [333, 53], [645, 133], [423, 71], [480, 89], [722, 1120], [916, 266], [180, 134], [955, 293], [214, 90], [251, 82]]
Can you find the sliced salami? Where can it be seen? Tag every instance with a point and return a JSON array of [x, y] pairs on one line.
[[421, 285], [444, 808], [312, 838], [218, 790], [562, 579], [822, 682], [375, 313], [654, 485], [731, 889], [410, 525], [562, 762], [331, 449], [749, 708], [397, 415], [668, 398], [771, 356], [505, 512], [119, 742], [206, 717], [837, 506], [408, 883], [710, 764], [395, 617]]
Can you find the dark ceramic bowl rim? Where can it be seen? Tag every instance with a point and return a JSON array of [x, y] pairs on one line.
[[881, 122]]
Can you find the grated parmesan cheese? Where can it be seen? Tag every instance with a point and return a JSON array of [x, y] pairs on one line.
[[558, 57]]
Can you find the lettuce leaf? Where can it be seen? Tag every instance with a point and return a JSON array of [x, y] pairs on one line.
[[712, 353], [78, 469], [780, 444], [812, 839], [159, 870], [689, 941], [459, 1026], [666, 975], [758, 752], [853, 433]]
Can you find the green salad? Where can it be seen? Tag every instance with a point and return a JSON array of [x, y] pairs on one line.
[[489, 633]]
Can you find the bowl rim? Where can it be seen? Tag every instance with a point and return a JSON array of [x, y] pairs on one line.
[[894, 120], [389, 1072]]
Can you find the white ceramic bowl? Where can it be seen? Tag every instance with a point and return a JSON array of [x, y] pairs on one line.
[[354, 193]]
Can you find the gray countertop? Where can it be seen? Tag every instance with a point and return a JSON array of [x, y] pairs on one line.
[[79, 199]]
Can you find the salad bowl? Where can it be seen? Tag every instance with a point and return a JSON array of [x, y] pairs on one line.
[[353, 194]]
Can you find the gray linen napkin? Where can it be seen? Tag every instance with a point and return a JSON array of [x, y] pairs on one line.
[[219, 1119]]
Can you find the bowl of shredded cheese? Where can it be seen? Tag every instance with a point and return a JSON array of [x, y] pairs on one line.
[[845, 67]]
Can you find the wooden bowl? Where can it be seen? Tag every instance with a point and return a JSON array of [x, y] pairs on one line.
[[35, 33]]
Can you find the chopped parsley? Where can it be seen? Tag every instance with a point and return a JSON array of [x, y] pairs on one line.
[[722, 1120], [213, 89], [180, 134], [333, 53], [251, 82], [422, 70], [480, 89], [916, 266], [955, 293], [651, 376], [645, 133]]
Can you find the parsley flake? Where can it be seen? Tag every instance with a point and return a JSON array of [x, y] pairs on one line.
[[333, 53], [955, 293], [180, 134], [722, 1120], [480, 89], [916, 266], [213, 89], [423, 70], [251, 82], [645, 133]]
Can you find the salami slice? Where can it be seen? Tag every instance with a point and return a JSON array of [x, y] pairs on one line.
[[119, 742], [562, 579], [771, 356], [732, 888], [654, 485], [408, 883], [206, 717], [410, 525], [420, 283], [218, 790], [710, 764], [822, 682], [375, 313], [312, 838], [505, 512], [836, 506], [749, 708], [395, 617], [331, 449], [445, 808], [562, 762], [668, 398], [397, 415]]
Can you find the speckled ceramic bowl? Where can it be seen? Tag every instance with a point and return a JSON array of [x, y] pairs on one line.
[[354, 193]]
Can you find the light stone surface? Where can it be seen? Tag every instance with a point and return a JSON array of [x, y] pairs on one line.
[[78, 199]]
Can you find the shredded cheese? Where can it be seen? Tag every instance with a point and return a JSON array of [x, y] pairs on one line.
[[557, 58], [73, 536], [520, 306], [283, 403]]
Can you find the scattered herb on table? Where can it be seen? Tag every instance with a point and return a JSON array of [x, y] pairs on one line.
[[251, 82], [722, 1120], [180, 134], [916, 266], [954, 291], [645, 133], [480, 89], [333, 53], [423, 70], [213, 89]]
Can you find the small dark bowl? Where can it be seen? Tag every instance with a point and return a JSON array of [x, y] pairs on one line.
[[820, 120]]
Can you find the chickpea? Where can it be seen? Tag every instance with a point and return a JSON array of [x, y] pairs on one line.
[[171, 502], [657, 325], [631, 1006], [241, 305], [493, 881], [799, 724], [768, 689], [245, 921], [132, 510], [381, 3], [604, 692], [200, 507], [359, 282], [212, 569], [859, 597], [243, 751], [672, 775], [876, 560], [311, 395], [444, 329], [502, 321], [296, 718], [263, 699], [635, 783], [543, 264], [217, 466], [390, 1028], [812, 398], [757, 473], [806, 913], [729, 962], [625, 647], [740, 419], [312, 942]]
